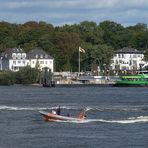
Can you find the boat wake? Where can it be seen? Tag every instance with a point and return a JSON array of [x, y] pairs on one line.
[[140, 119], [13, 108], [101, 109]]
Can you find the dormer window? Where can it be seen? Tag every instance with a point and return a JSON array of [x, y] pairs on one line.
[[46, 56], [6, 55], [19, 55], [14, 56], [23, 55], [41, 56], [36, 56]]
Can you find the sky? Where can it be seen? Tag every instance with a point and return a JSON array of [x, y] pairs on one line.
[[61, 12]]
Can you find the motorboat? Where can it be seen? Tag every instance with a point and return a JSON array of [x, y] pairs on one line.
[[49, 116]]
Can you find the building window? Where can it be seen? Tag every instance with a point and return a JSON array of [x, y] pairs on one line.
[[18, 61], [41, 62], [46, 56], [14, 56], [46, 62], [41, 56], [33, 62], [14, 62], [36, 56], [15, 68], [23, 55], [19, 56], [6, 55]]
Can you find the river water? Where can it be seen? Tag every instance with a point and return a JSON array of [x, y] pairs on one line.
[[116, 117]]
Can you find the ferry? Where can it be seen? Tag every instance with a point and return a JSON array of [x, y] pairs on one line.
[[139, 80]]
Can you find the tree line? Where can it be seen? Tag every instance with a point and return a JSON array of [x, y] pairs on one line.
[[62, 42], [26, 75]]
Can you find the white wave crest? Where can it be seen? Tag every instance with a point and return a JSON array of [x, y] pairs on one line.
[[140, 119], [13, 108]]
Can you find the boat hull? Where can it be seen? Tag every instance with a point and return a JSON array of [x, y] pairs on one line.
[[54, 117], [140, 80]]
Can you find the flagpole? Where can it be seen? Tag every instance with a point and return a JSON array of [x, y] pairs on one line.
[[79, 63]]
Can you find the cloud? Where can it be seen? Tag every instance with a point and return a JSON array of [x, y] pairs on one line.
[[73, 4], [74, 11]]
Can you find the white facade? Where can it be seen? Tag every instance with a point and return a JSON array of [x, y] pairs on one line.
[[15, 59], [127, 59], [41, 63]]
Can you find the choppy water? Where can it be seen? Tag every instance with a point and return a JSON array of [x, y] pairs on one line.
[[116, 117]]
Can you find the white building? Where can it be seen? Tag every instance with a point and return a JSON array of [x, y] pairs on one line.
[[38, 57], [15, 58], [127, 59]]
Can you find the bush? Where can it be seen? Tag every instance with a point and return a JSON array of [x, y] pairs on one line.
[[7, 78], [27, 75]]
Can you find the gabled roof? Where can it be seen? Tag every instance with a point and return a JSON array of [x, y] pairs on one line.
[[38, 53], [8, 52], [127, 50]]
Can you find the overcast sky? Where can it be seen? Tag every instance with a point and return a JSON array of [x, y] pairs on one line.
[[60, 12]]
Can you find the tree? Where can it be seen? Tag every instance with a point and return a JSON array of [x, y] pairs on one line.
[[66, 45], [146, 55], [7, 78], [27, 75], [101, 55], [112, 32], [91, 33]]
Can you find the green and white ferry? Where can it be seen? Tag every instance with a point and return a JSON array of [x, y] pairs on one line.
[[139, 80]]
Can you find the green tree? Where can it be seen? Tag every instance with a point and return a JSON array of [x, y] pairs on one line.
[[7, 78], [112, 32], [91, 33], [101, 55], [27, 75], [66, 48]]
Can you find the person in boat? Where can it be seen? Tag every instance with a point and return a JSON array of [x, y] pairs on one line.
[[54, 112], [58, 110], [82, 114]]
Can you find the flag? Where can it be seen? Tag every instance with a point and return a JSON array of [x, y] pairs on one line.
[[81, 50]]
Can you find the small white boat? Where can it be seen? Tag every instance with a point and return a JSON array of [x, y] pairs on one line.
[[54, 117]]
